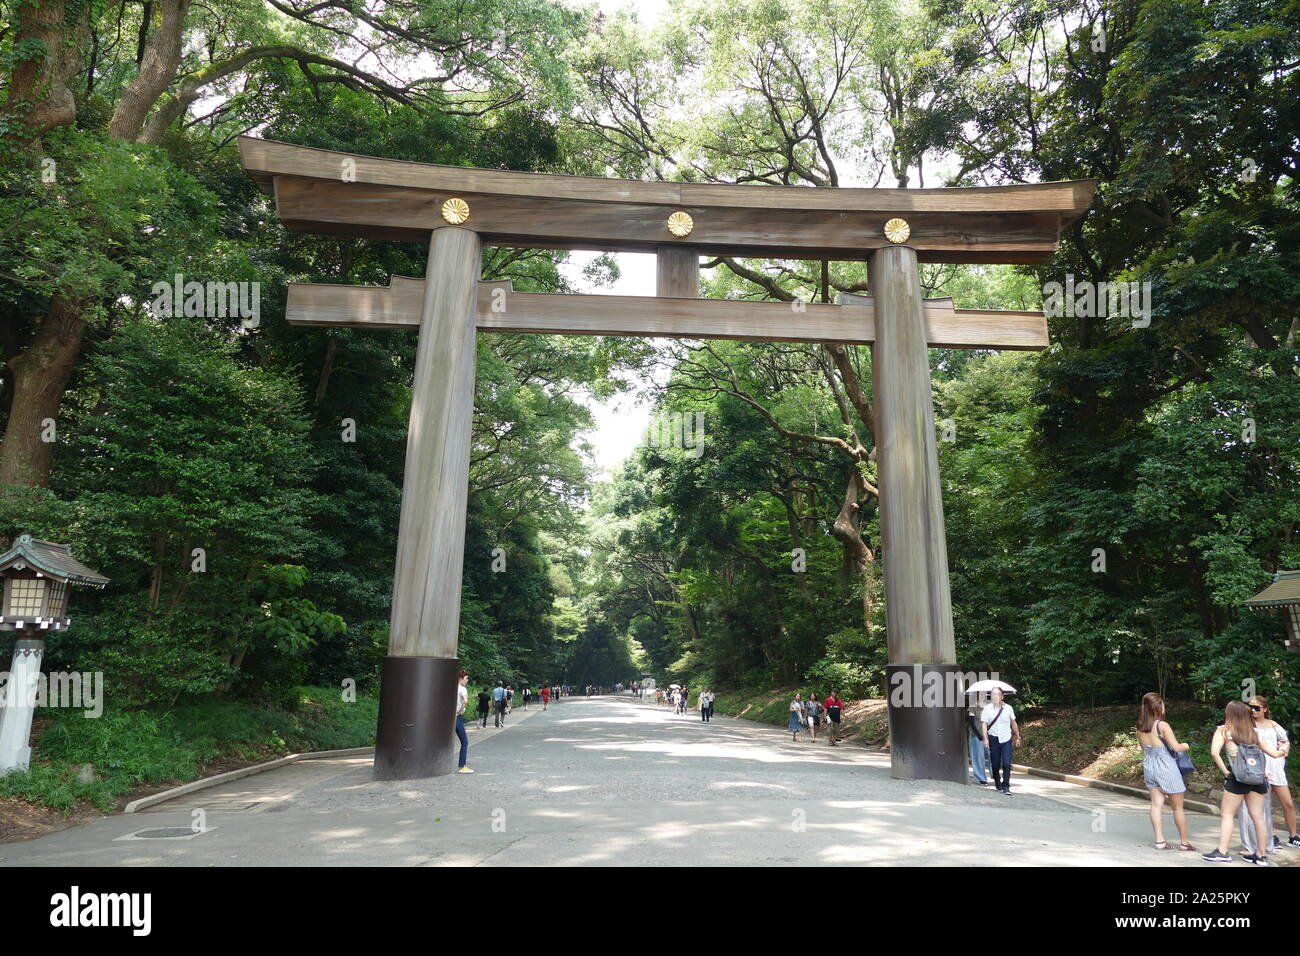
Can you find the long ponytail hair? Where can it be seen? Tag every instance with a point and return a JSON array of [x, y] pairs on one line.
[[1153, 708]]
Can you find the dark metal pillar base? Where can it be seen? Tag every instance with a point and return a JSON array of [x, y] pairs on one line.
[[927, 722], [417, 718]]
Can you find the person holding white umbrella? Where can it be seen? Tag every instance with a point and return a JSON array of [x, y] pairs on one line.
[[1000, 733], [978, 745]]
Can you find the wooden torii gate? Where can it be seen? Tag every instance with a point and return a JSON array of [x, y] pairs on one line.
[[458, 209]]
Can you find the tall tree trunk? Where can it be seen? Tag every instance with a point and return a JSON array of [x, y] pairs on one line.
[[40, 375], [796, 540], [846, 529], [162, 55], [38, 96]]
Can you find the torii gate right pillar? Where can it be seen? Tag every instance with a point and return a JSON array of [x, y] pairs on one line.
[[926, 730]]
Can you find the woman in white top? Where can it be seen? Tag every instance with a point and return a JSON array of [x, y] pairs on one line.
[[795, 724], [1236, 731], [1273, 734], [462, 696]]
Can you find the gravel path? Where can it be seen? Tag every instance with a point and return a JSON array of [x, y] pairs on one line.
[[612, 749], [615, 782]]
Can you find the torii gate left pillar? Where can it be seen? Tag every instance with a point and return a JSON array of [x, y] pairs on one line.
[[417, 700]]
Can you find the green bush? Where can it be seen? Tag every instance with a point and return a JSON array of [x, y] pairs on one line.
[[853, 681], [131, 748], [1248, 655]]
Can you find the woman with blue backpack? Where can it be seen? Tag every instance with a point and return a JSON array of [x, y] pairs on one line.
[[1273, 734], [1244, 779], [1165, 767]]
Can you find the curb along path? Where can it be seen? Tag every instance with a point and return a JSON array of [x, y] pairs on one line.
[[292, 775]]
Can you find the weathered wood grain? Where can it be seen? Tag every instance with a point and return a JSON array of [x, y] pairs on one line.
[[265, 159], [500, 309], [918, 604], [425, 618], [677, 271], [321, 191], [390, 212]]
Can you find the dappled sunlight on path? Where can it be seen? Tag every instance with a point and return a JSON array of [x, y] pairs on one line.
[[615, 782]]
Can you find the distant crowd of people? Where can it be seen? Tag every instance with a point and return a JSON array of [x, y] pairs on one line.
[[679, 699], [497, 702]]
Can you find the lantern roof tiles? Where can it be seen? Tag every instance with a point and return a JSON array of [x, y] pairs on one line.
[[1284, 590], [51, 559]]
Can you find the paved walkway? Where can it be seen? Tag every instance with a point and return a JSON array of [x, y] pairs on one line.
[[613, 781]]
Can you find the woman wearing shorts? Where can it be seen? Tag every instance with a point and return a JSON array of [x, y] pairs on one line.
[[1238, 728], [814, 712], [1273, 734]]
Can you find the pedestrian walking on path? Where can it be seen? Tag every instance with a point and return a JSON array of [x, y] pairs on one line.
[[814, 711], [1243, 780], [546, 696], [979, 751], [462, 698], [499, 704], [834, 707], [1000, 732], [1160, 770], [484, 706], [1273, 734], [706, 705], [796, 717]]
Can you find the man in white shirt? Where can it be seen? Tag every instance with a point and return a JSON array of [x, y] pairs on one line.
[[1000, 730], [706, 703]]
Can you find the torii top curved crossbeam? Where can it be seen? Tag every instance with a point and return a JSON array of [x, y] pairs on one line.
[[323, 191]]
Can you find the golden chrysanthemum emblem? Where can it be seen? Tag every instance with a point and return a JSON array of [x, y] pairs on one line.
[[455, 211], [897, 230], [680, 224]]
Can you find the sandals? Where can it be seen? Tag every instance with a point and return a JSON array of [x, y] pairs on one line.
[[1187, 848], [1163, 845]]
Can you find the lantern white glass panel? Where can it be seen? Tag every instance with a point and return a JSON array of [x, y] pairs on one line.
[[26, 597]]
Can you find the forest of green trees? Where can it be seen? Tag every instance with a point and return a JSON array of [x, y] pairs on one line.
[[275, 453]]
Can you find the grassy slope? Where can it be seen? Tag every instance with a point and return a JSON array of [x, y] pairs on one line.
[[141, 751], [1097, 742]]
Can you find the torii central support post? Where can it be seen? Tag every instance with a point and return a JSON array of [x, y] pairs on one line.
[[927, 735], [417, 694]]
